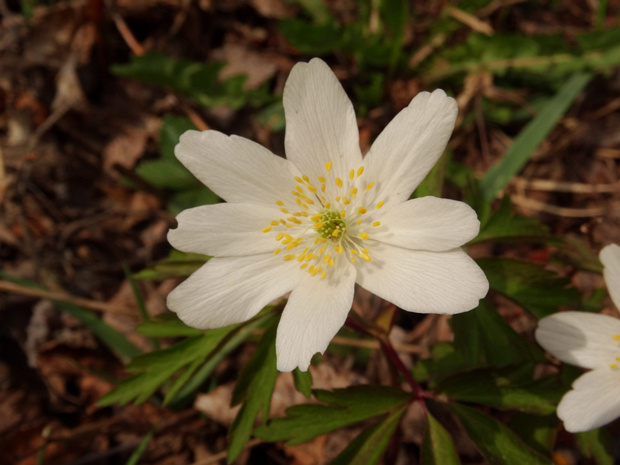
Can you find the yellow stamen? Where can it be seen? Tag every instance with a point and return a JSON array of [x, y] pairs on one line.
[[284, 210], [339, 182], [376, 223], [364, 235], [328, 166], [353, 191], [339, 249], [274, 222], [360, 170], [361, 210], [351, 174], [280, 203], [380, 204], [345, 201], [358, 222], [305, 178], [279, 236], [321, 179], [336, 232], [298, 179], [369, 186], [267, 229], [303, 266], [277, 251], [616, 337], [288, 258], [311, 188], [366, 257], [323, 274]]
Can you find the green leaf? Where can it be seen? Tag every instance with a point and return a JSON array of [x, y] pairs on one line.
[[135, 456], [254, 388], [177, 265], [433, 182], [539, 291], [505, 224], [484, 338], [538, 431], [311, 39], [445, 361], [496, 442], [192, 197], [489, 388], [158, 367], [597, 445], [344, 407], [172, 128], [368, 447], [437, 446], [303, 381], [167, 325], [532, 136]]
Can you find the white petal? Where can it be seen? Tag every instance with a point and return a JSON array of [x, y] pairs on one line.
[[428, 223], [593, 402], [610, 256], [225, 229], [235, 168], [423, 282], [320, 121], [316, 310], [231, 290], [407, 149], [580, 338]]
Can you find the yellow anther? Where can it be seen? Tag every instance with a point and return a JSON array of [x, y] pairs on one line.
[[323, 274], [318, 225], [326, 258], [369, 186], [342, 213], [291, 246], [299, 189], [380, 204], [366, 257], [267, 229], [339, 182], [613, 365], [376, 223], [322, 240], [309, 257], [358, 222], [316, 240], [298, 179], [277, 251], [338, 199], [353, 259], [345, 201], [616, 337], [321, 179], [361, 210], [303, 266], [364, 235], [328, 166], [336, 232], [322, 187], [279, 236], [284, 210], [311, 188], [280, 203], [274, 222], [360, 170], [353, 191], [316, 217], [305, 178], [288, 240], [354, 252], [351, 174], [331, 262], [301, 257], [322, 249], [288, 258], [339, 249], [328, 205]]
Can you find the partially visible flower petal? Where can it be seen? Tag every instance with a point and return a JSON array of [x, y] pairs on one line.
[[428, 223], [231, 290], [235, 168], [320, 121], [316, 310], [580, 338], [424, 282], [407, 149], [593, 402], [610, 256], [224, 229]]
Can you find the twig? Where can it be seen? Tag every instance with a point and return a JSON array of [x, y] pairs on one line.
[[392, 356], [470, 21], [222, 455], [8, 286], [538, 206], [127, 35], [564, 186]]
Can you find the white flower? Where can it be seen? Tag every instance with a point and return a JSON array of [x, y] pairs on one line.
[[590, 341], [324, 219]]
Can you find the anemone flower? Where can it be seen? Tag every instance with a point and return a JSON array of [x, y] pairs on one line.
[[590, 341], [324, 219]]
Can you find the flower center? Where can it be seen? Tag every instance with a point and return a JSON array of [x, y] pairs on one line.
[[322, 226]]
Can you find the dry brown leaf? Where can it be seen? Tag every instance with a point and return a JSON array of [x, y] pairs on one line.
[[240, 60]]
